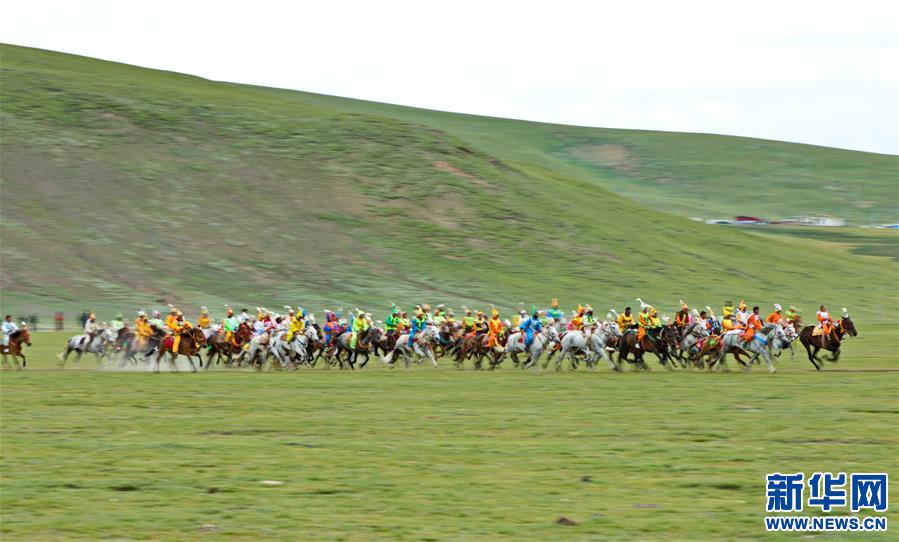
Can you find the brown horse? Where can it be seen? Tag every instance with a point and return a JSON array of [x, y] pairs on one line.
[[219, 346], [16, 340], [471, 346], [191, 341], [814, 343], [666, 338]]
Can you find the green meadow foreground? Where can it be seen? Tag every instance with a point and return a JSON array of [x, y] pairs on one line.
[[433, 454]]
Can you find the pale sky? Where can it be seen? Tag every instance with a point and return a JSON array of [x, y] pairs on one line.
[[820, 72]]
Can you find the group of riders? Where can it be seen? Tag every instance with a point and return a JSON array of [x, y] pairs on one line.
[[294, 337]]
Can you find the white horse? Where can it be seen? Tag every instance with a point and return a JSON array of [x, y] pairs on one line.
[[258, 349], [757, 347], [83, 344], [286, 351], [790, 335], [515, 345], [422, 347], [598, 341]]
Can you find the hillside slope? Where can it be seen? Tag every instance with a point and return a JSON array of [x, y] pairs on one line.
[[124, 186]]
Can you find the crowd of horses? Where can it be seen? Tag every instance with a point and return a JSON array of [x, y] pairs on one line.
[[673, 346]]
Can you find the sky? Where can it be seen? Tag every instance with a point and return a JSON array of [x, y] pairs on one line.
[[820, 72]]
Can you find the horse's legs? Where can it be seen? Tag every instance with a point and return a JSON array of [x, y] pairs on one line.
[[193, 368], [835, 356], [768, 360]]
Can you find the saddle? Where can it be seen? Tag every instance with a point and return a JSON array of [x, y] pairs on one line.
[[818, 331], [168, 342]]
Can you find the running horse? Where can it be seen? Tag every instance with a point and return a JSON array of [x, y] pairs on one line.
[[814, 343], [14, 349], [660, 346], [191, 341], [219, 347]]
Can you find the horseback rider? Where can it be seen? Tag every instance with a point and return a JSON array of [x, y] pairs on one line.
[[360, 325], [204, 321], [682, 317], [712, 323], [243, 317], [480, 323], [775, 317], [404, 323], [589, 321], [554, 312], [117, 323], [331, 328], [142, 329], [625, 321], [825, 321], [468, 321], [392, 321], [8, 327], [171, 317], [230, 324], [530, 326], [644, 323], [157, 320], [727, 310], [742, 314], [495, 329], [178, 326], [450, 318], [297, 325], [753, 324], [577, 321], [419, 323], [439, 318], [791, 315], [90, 329]]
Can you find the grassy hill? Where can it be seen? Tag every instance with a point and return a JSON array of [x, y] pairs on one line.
[[125, 187]]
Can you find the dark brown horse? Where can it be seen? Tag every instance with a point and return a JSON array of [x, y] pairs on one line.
[[661, 346], [814, 343], [220, 347], [189, 346], [14, 349]]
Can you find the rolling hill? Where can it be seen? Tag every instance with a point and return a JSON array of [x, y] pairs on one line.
[[126, 187]]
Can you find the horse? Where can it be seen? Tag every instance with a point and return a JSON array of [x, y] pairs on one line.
[[132, 347], [364, 342], [732, 341], [14, 348], [471, 346], [690, 343], [813, 343], [667, 337], [219, 347], [422, 347], [515, 344], [97, 345], [191, 341]]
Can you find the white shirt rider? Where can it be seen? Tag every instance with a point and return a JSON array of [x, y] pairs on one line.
[[9, 327]]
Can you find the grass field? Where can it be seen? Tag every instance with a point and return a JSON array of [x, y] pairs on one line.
[[432, 454]]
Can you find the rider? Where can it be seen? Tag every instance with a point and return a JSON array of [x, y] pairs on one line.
[[157, 320], [90, 329], [439, 318], [142, 329], [243, 317], [297, 326], [495, 325], [392, 321], [404, 324], [178, 325], [644, 324], [577, 321], [332, 328], [8, 327], [589, 321], [703, 320], [117, 323], [727, 310], [626, 320], [171, 317], [825, 320], [450, 318], [230, 324], [753, 324], [682, 317], [742, 314], [530, 326], [713, 325], [419, 323], [480, 323], [468, 321], [655, 324], [360, 325], [554, 313], [791, 314], [204, 321], [776, 316]]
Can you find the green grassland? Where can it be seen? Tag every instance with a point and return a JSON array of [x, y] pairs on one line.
[[431, 454], [125, 187]]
